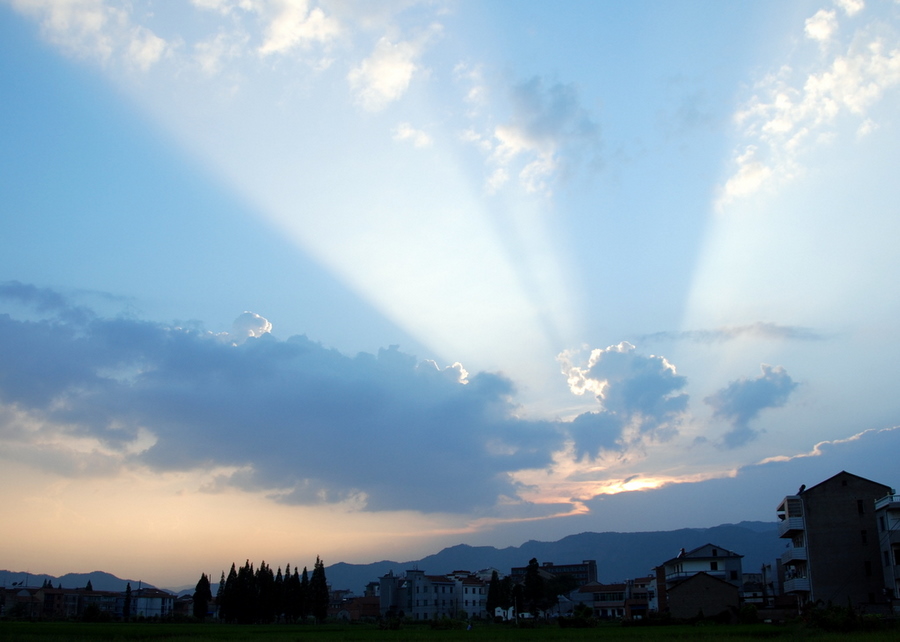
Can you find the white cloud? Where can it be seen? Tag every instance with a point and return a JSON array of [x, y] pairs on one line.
[[295, 24], [821, 26], [385, 76], [93, 29], [406, 132], [851, 7], [794, 111], [146, 48], [248, 325]]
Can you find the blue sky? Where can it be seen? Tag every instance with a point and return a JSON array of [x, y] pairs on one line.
[[399, 275]]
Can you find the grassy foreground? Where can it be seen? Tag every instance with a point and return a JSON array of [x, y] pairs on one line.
[[77, 631]]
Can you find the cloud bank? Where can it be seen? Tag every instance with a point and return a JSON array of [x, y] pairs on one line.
[[302, 422]]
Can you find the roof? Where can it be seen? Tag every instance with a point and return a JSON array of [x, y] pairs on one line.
[[696, 554], [845, 473]]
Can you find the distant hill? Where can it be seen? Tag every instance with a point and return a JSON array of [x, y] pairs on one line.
[[619, 556], [99, 580]]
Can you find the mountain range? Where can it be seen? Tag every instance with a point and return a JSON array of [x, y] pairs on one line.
[[619, 556]]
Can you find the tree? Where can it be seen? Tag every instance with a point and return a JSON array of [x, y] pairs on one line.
[[493, 594], [89, 586], [126, 607], [318, 591], [534, 591], [220, 595], [228, 605], [304, 603], [202, 596]]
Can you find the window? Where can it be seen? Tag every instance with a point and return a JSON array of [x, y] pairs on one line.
[[715, 553], [861, 506], [714, 566], [864, 535]]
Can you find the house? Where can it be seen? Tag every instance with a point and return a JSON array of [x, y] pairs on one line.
[[703, 595], [712, 560], [833, 550]]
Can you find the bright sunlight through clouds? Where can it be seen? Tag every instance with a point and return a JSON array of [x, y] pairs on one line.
[[428, 271]]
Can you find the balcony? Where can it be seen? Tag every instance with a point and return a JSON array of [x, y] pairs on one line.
[[790, 525], [797, 585], [889, 502], [795, 554]]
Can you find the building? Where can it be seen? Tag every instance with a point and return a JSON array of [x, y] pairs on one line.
[[429, 597], [583, 573], [833, 552], [887, 516], [622, 601], [703, 595], [714, 561]]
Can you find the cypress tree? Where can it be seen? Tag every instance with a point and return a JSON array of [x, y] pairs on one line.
[[534, 592], [228, 607], [303, 604], [126, 607], [220, 595], [318, 588], [278, 595], [493, 594], [202, 596], [265, 591]]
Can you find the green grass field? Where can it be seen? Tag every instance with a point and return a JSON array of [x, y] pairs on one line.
[[75, 631]]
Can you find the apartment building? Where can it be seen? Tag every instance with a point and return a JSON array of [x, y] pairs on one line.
[[833, 552]]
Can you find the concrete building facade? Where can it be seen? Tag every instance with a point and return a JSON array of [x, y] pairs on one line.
[[833, 555]]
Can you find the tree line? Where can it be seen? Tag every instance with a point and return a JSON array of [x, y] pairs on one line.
[[250, 596]]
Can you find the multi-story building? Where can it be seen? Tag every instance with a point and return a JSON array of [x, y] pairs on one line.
[[834, 553], [887, 516], [428, 597], [627, 600], [583, 573], [713, 560]]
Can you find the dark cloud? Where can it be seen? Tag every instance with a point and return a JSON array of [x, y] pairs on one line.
[[43, 300], [638, 393], [759, 330], [760, 486], [305, 423], [741, 402]]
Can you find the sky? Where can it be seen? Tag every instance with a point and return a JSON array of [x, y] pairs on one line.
[[364, 280]]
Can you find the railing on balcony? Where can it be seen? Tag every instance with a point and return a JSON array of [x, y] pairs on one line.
[[891, 502], [796, 585], [794, 554], [683, 575], [789, 525]]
